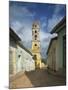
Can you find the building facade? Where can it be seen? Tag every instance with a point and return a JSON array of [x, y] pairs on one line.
[[51, 60], [20, 59], [36, 44], [57, 48], [25, 60], [13, 40]]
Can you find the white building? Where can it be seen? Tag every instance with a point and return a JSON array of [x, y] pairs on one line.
[[25, 60], [20, 59]]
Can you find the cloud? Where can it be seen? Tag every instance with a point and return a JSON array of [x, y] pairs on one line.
[[16, 25], [20, 11], [25, 33], [59, 8], [44, 24], [53, 21], [43, 21], [56, 17], [46, 36], [23, 30], [19, 15], [45, 40], [21, 19], [27, 12], [56, 14]]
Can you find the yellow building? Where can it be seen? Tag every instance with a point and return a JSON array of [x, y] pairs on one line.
[[36, 44]]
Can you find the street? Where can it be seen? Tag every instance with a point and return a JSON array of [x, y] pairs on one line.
[[37, 78]]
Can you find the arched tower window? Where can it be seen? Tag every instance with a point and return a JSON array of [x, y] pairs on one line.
[[35, 44], [35, 31], [35, 25], [35, 37]]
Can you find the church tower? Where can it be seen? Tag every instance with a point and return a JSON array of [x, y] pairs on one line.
[[36, 44]]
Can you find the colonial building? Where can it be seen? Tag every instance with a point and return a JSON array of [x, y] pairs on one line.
[[20, 59], [57, 48], [51, 60], [36, 44], [25, 60], [14, 39]]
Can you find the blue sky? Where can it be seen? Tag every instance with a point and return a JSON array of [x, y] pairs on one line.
[[23, 14]]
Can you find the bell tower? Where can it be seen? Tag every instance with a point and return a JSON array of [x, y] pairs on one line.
[[36, 44]]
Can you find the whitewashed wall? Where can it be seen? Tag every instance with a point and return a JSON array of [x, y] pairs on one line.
[[25, 61]]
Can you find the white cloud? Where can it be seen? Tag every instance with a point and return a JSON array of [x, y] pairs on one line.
[[53, 21], [55, 18], [23, 30], [46, 36], [45, 42], [44, 24], [45, 39], [27, 12], [16, 25], [21, 20], [20, 12], [58, 8], [27, 34], [23, 26]]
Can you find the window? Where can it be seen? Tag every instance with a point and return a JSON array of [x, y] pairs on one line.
[[35, 44], [35, 57], [35, 25], [19, 56], [35, 31], [35, 37]]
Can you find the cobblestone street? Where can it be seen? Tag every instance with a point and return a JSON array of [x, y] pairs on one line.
[[38, 78]]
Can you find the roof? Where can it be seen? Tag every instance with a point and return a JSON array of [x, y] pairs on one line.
[[60, 25], [14, 35], [51, 43]]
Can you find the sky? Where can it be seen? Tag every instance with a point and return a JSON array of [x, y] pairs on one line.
[[23, 14]]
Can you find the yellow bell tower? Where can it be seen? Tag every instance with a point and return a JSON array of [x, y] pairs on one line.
[[36, 44]]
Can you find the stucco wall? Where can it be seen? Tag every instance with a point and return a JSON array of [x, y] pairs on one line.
[[12, 56], [51, 61], [59, 50], [19, 59], [25, 61]]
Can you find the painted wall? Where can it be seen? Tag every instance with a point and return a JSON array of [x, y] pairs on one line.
[[55, 54], [59, 50], [51, 60], [12, 56], [24, 60], [19, 59]]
